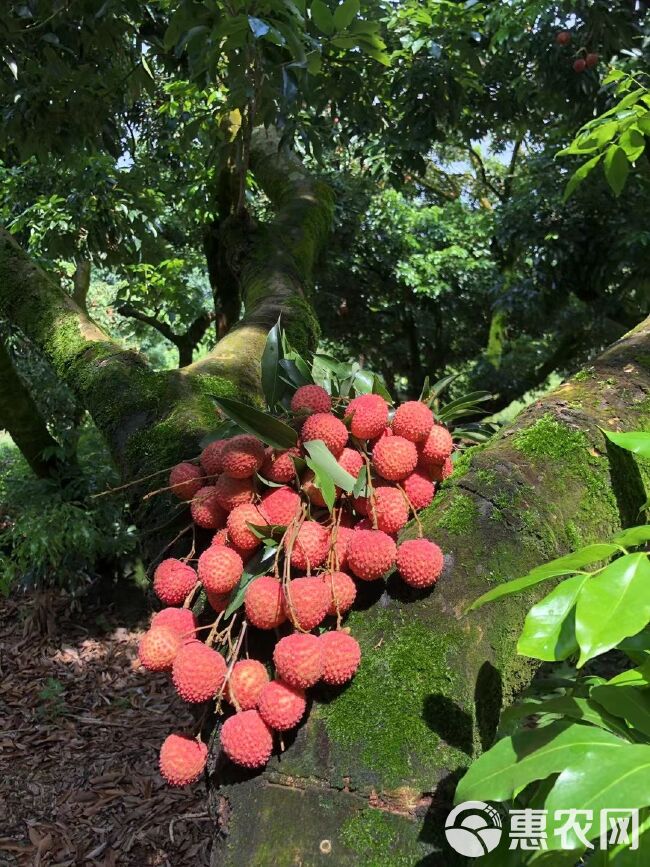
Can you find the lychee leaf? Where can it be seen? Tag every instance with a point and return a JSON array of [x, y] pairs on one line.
[[327, 463], [269, 532], [270, 430], [255, 567], [271, 358], [323, 482], [360, 488]]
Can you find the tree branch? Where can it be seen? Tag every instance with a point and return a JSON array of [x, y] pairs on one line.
[[186, 343], [480, 165]]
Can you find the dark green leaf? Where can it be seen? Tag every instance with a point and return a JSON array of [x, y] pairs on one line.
[[294, 374], [270, 366], [322, 17], [269, 429], [361, 485], [345, 14], [378, 387], [629, 702], [617, 168]]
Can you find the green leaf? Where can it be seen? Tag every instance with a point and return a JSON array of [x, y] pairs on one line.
[[255, 567], [613, 605], [516, 761], [324, 482], [323, 457], [549, 628], [322, 17], [271, 356], [270, 430], [632, 677], [629, 702], [636, 442], [441, 385], [378, 387], [633, 536], [617, 168], [360, 488], [565, 705], [294, 374], [345, 14], [579, 175], [633, 143], [363, 382]]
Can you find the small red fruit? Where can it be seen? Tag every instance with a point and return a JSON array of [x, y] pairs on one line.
[[263, 603], [173, 580], [563, 37], [281, 705], [185, 480], [246, 739], [419, 562], [247, 680], [341, 657], [591, 60], [182, 759], [298, 659], [579, 65]]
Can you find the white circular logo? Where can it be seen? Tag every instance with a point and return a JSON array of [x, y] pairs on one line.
[[473, 828]]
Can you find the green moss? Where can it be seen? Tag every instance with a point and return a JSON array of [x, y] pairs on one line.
[[573, 534], [582, 376], [486, 477], [302, 326], [549, 438], [373, 835], [463, 463], [460, 515]]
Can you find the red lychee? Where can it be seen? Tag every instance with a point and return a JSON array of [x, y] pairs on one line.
[[281, 705], [368, 414], [311, 398], [591, 60], [419, 562], [231, 492], [181, 620], [440, 472], [306, 602], [280, 506], [263, 603], [185, 480], [371, 554], [182, 759], [328, 428], [351, 461], [579, 65], [390, 509], [438, 446], [341, 657], [158, 648], [218, 601], [563, 37], [279, 467], [298, 659], [239, 531], [173, 580], [394, 458], [198, 672], [310, 545], [342, 591], [211, 459], [419, 489], [242, 456], [340, 545], [220, 569], [246, 739], [247, 680], [206, 509], [413, 420]]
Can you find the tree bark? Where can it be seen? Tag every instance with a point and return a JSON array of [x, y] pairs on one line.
[[369, 775]]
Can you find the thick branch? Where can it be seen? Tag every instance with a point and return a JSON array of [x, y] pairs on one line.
[[81, 284]]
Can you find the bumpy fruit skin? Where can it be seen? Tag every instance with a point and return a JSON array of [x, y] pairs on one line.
[[371, 554], [181, 620], [158, 648], [438, 445], [579, 65], [306, 602], [220, 569], [182, 759], [280, 506], [419, 489], [185, 480], [298, 659], [341, 657], [233, 492], [311, 398], [340, 546], [368, 415], [173, 580], [394, 458], [413, 420], [351, 461], [206, 509], [310, 547], [246, 739], [419, 562], [390, 509], [211, 458], [436, 472], [247, 680], [263, 603], [281, 705], [238, 530], [242, 456], [328, 428], [218, 601], [280, 468], [342, 591], [198, 672]]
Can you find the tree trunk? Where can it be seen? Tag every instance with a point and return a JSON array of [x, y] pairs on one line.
[[369, 775]]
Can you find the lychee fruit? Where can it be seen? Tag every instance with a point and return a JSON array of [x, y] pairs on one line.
[[242, 456], [351, 461], [220, 569], [246, 739], [438, 445], [185, 480], [281, 705], [440, 472], [310, 399], [371, 553], [231, 492], [206, 510], [390, 509], [591, 60], [182, 759], [394, 458], [181, 620], [306, 602], [279, 467], [563, 37], [419, 489], [173, 580], [280, 506], [211, 458], [579, 65], [309, 547], [311, 491], [158, 648], [341, 537], [298, 659], [247, 680], [328, 428], [368, 414], [218, 601], [342, 591], [238, 530], [263, 603], [198, 672], [419, 562], [341, 657], [413, 420]]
